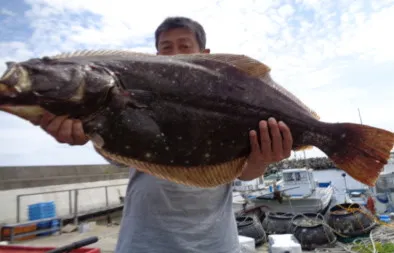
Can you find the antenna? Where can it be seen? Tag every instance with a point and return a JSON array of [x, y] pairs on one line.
[[359, 115], [305, 161], [346, 189]]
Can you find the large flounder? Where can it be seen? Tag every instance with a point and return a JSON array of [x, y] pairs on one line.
[[184, 118]]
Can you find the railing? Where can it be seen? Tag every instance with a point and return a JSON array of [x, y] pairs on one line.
[[76, 191], [12, 181]]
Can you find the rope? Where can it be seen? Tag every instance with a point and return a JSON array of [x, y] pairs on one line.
[[372, 242]]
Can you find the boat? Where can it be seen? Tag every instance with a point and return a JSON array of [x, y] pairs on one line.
[[242, 187], [273, 178], [299, 193]]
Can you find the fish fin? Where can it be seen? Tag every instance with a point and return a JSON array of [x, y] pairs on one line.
[[198, 176], [255, 69], [300, 148], [30, 113], [242, 62], [360, 150], [84, 53], [135, 98]]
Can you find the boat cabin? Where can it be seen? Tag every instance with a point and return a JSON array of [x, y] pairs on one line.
[[385, 182], [299, 182]]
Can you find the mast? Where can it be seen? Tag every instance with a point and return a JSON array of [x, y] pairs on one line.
[[359, 116]]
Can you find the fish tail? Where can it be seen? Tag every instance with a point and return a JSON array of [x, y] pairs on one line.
[[360, 150]]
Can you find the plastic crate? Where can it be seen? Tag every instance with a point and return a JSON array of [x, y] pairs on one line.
[[22, 249], [42, 210]]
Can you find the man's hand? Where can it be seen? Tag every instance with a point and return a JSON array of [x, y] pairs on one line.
[[272, 149], [64, 130]]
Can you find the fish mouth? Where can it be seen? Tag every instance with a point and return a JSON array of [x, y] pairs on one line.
[[14, 81], [15, 85], [13, 96], [7, 92]]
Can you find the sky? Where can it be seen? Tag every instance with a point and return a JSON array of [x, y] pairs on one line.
[[336, 56]]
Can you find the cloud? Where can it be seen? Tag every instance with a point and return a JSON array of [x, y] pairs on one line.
[[6, 12], [336, 56]]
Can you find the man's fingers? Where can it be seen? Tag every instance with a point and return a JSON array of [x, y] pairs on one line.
[[277, 146], [46, 120], [78, 134], [54, 126], [265, 139], [64, 130], [287, 138], [254, 143], [64, 133]]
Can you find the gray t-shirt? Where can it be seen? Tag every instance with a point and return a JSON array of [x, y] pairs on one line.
[[163, 217]]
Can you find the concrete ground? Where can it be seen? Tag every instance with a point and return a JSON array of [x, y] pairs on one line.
[[107, 239]]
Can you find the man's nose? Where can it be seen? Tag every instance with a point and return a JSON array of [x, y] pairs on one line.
[[175, 51]]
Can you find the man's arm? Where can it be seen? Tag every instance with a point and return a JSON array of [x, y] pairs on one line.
[[272, 149]]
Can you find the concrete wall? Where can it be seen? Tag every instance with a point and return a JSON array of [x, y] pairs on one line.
[[89, 199], [36, 176]]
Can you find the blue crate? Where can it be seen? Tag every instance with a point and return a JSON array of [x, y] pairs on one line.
[[42, 210], [44, 224], [48, 224]]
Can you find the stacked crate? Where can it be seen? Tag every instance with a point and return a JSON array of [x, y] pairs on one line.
[[43, 210]]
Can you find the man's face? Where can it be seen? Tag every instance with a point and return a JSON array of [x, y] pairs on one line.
[[178, 41]]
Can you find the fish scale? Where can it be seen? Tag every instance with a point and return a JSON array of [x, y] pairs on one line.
[[184, 118]]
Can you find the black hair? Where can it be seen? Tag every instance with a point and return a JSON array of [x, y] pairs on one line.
[[182, 22]]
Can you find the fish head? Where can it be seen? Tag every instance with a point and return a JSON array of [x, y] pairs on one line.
[[60, 86]]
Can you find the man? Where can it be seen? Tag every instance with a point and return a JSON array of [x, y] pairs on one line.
[[161, 216]]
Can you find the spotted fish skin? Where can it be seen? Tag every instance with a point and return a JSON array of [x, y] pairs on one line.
[[191, 113], [172, 113]]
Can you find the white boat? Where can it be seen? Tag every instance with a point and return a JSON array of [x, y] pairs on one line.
[[300, 192], [273, 178]]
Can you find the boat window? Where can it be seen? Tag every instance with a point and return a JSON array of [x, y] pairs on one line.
[[237, 183], [295, 176], [303, 176], [288, 177], [385, 183]]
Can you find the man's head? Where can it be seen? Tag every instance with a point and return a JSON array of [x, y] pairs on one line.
[[180, 35]]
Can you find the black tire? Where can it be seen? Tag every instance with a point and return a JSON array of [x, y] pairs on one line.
[[250, 226]]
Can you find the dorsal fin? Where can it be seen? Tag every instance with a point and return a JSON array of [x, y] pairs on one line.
[[255, 69], [241, 62], [84, 53]]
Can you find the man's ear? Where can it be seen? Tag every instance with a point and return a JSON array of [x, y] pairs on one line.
[[206, 51]]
